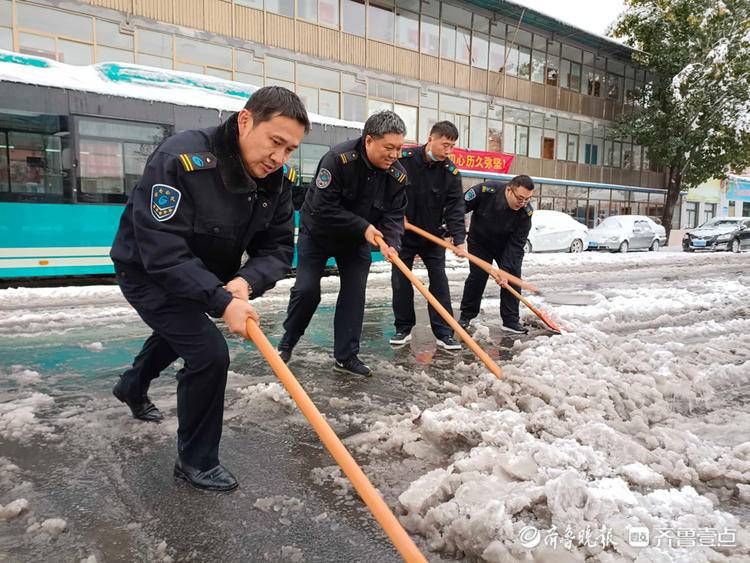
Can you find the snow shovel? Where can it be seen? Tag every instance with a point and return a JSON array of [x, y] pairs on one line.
[[379, 509], [496, 273], [470, 342]]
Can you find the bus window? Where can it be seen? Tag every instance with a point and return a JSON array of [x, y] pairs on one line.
[[112, 156], [35, 166], [4, 168]]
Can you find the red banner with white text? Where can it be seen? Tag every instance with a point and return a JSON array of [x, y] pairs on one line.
[[482, 161]]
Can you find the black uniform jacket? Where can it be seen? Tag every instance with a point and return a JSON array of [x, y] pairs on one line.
[[434, 197], [196, 210], [496, 226], [348, 194]]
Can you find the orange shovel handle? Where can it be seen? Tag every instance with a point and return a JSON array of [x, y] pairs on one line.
[[392, 527], [470, 342], [486, 266]]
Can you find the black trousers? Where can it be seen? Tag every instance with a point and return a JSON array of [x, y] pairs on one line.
[[433, 257], [477, 280], [354, 266], [181, 330]]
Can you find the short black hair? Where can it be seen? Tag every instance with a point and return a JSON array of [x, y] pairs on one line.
[[270, 101], [383, 123], [445, 129], [522, 181]]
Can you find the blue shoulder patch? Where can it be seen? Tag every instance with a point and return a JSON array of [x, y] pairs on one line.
[[164, 202], [470, 194]]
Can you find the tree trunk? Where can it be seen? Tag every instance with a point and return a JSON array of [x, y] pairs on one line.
[[673, 194]]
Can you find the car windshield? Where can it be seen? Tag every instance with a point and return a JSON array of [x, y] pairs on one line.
[[720, 223], [610, 223]]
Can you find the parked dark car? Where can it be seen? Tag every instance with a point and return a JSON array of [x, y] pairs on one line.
[[719, 233]]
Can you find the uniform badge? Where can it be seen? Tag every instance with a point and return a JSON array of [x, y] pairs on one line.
[[323, 179], [164, 201], [469, 195]]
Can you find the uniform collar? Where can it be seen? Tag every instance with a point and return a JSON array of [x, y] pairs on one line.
[[229, 162]]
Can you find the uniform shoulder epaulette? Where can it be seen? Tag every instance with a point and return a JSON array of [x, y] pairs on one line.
[[192, 161], [398, 174], [529, 209], [407, 153], [452, 168], [348, 156], [290, 173], [488, 189]]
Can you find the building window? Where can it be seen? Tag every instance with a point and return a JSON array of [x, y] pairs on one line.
[[478, 133], [447, 41], [709, 211], [463, 46], [591, 154], [494, 135], [54, 22], [479, 51], [353, 17], [380, 23], [280, 68], [430, 36], [691, 209], [200, 53], [553, 70], [354, 107], [307, 10], [153, 43], [407, 30], [537, 66], [409, 115], [282, 7], [328, 12], [570, 74]]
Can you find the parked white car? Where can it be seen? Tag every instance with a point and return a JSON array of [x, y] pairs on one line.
[[553, 231], [621, 233]]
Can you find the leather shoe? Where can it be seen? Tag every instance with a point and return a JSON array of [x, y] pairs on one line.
[[142, 409], [216, 479]]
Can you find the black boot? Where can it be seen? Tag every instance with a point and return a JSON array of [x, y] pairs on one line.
[[285, 354], [142, 408], [216, 479]]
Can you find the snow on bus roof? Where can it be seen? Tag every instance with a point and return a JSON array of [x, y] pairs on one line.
[[138, 81]]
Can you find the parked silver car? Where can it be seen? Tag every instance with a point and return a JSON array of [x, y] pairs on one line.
[[621, 233]]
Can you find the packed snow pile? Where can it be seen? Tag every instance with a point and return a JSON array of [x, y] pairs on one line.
[[589, 447]]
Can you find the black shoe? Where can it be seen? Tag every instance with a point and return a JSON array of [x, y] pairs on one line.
[[448, 343], [352, 365], [217, 479], [401, 337], [515, 327], [142, 409], [285, 354], [464, 323]]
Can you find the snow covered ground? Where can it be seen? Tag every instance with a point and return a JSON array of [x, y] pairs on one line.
[[624, 439]]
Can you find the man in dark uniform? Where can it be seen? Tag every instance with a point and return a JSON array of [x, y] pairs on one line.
[[205, 197], [435, 197], [499, 228], [358, 193]]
